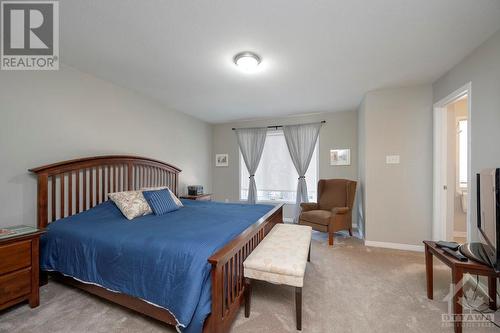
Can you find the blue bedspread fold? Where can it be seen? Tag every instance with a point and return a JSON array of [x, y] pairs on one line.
[[161, 259]]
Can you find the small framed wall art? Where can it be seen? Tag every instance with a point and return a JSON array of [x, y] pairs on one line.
[[221, 160], [340, 156]]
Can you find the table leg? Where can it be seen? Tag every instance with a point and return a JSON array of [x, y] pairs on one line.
[[429, 272], [492, 292], [248, 296], [457, 275]]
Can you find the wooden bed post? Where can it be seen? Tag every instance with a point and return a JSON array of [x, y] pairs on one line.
[[42, 214], [42, 204], [213, 324]]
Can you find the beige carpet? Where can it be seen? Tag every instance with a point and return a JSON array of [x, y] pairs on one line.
[[348, 288]]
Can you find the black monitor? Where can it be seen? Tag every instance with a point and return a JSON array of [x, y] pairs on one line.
[[487, 250]]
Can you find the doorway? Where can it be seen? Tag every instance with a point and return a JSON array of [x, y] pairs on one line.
[[452, 174]]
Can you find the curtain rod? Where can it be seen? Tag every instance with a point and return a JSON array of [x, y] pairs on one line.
[[279, 126]]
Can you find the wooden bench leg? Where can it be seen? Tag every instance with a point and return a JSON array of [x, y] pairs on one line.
[[309, 254], [298, 307], [248, 296]]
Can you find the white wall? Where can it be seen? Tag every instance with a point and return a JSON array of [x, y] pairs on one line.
[[52, 116], [397, 198], [340, 131], [482, 69]]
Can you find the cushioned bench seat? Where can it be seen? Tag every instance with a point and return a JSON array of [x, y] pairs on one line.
[[280, 258]]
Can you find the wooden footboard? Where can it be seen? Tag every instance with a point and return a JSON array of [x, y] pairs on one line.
[[227, 272]]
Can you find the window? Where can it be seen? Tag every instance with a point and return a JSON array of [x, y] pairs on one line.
[[276, 176], [462, 153]]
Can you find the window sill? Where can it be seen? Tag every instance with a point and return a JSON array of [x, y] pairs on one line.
[[270, 202]]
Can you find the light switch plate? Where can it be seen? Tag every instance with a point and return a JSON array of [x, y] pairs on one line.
[[392, 159]]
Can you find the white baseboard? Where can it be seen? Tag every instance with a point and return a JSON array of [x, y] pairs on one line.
[[396, 246], [462, 234]]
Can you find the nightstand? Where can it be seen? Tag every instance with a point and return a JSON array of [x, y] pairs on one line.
[[202, 197], [19, 269]]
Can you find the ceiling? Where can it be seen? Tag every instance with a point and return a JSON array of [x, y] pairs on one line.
[[317, 55]]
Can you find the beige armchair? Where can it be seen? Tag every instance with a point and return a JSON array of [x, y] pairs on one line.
[[333, 211]]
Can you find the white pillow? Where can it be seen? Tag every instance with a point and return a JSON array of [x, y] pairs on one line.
[[132, 204], [174, 197]]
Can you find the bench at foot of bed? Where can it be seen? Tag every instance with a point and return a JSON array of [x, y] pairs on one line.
[[280, 258]]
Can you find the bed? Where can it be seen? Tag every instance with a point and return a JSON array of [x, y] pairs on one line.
[[194, 255]]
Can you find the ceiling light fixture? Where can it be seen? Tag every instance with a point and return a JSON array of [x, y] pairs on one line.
[[247, 61]]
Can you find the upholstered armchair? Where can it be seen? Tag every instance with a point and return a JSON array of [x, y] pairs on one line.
[[333, 211]]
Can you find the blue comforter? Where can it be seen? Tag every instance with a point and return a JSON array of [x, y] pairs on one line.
[[161, 259]]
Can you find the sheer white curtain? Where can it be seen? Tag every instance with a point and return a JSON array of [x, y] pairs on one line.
[[251, 142], [301, 140]]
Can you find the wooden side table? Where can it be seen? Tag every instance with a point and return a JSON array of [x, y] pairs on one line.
[[19, 269], [458, 268], [202, 197]]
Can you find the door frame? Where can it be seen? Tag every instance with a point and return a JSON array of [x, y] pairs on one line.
[[440, 172]]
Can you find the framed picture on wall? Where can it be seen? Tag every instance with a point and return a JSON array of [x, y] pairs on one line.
[[340, 157], [221, 160]]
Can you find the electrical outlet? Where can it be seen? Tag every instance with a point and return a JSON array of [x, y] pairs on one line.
[[392, 159]]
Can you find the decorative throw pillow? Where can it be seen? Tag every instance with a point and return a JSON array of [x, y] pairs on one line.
[[132, 204], [177, 201], [161, 202]]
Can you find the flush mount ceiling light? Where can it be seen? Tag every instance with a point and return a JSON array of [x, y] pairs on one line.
[[247, 61]]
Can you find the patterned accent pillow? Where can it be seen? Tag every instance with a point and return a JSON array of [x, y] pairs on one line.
[[161, 202], [132, 204], [177, 201]]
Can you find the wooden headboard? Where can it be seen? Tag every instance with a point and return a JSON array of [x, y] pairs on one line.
[[74, 186]]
